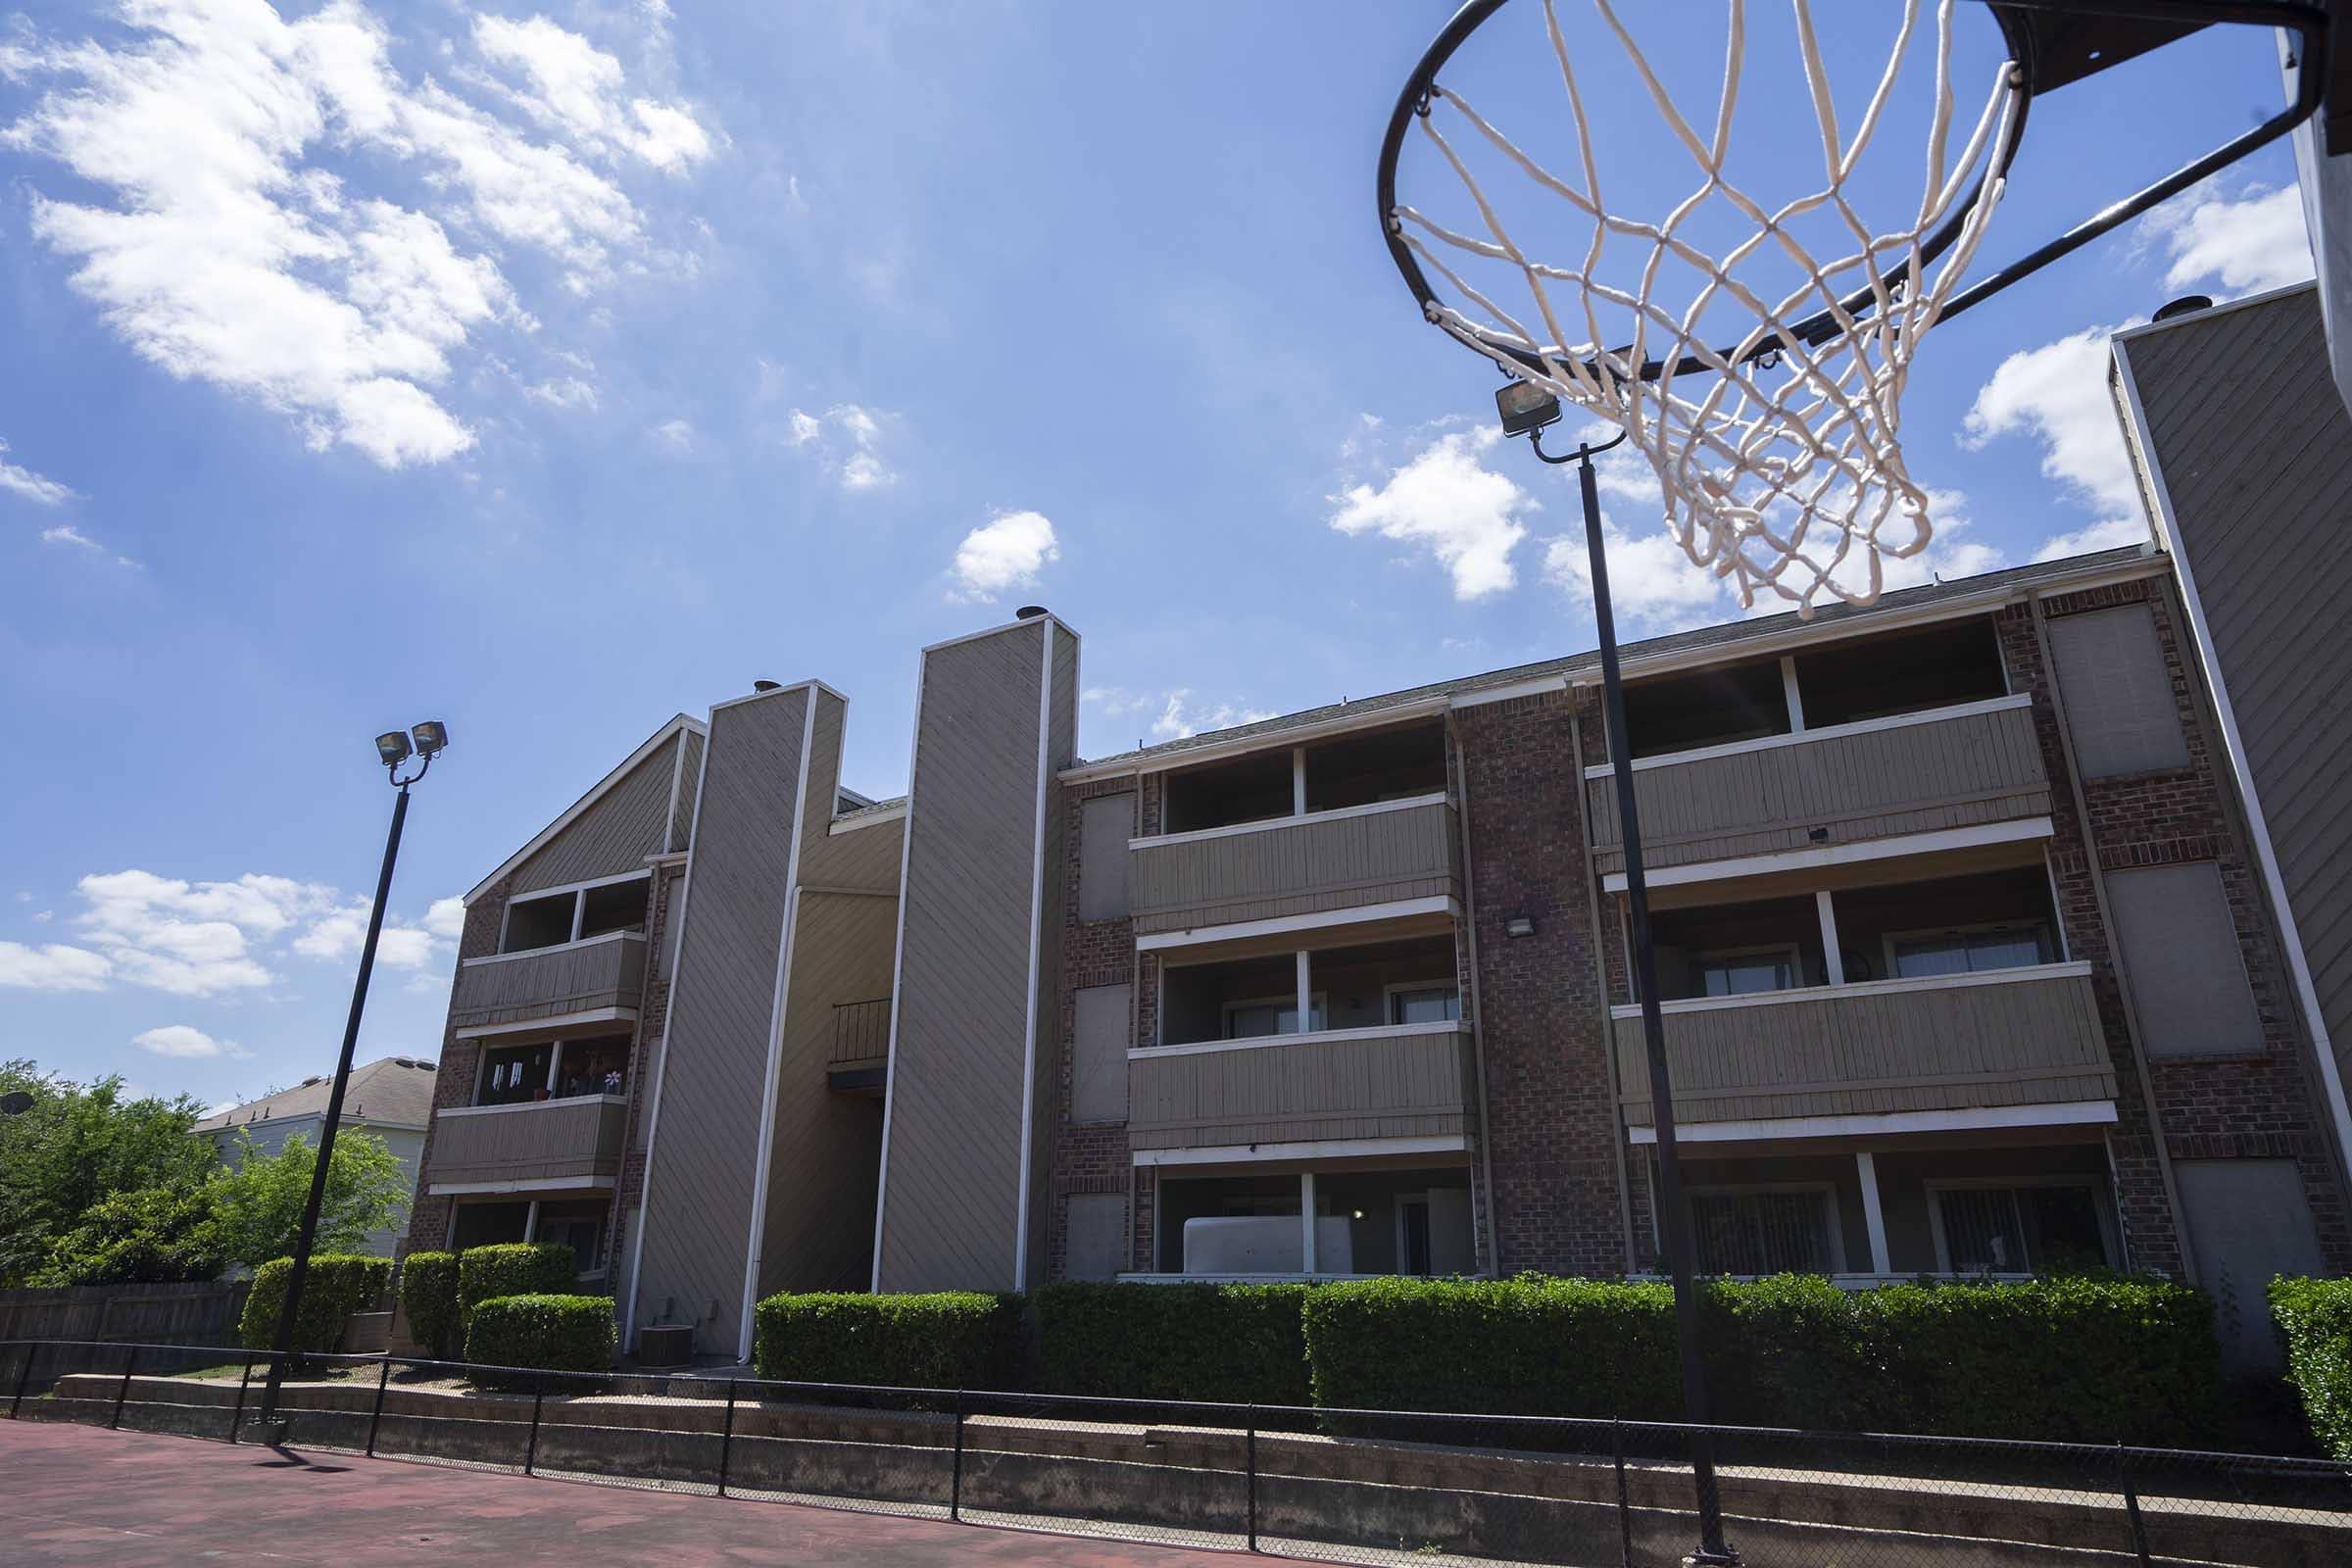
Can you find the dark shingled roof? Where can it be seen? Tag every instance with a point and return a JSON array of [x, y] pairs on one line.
[[1724, 635], [393, 1092]]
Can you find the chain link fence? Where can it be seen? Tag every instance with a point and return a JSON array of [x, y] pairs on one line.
[[1344, 1486]]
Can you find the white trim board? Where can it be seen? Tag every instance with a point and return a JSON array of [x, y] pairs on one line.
[[2022, 974], [1987, 1119], [544, 1184], [2242, 771], [596, 791], [561, 946], [1294, 819], [2019, 831], [1827, 732], [561, 1021], [1303, 1036], [528, 895], [531, 1105], [1283, 925], [1332, 1149], [850, 824], [1037, 929]]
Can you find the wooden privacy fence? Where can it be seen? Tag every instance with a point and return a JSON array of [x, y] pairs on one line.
[[152, 1314]]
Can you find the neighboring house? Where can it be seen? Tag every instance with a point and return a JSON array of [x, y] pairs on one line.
[[1970, 962], [391, 1098]]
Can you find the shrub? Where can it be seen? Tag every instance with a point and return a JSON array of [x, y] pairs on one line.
[[1218, 1344], [943, 1339], [557, 1333], [429, 1294], [2316, 1317], [513, 1268], [1786, 1350], [335, 1287], [152, 1236]]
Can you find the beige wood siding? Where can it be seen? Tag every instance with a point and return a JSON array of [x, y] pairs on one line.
[[2015, 1043], [690, 774], [545, 985], [952, 1181], [2255, 452], [1915, 778], [1306, 866], [553, 1140], [1368, 1084], [615, 835], [701, 1168]]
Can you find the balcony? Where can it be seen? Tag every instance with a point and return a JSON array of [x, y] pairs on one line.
[[1397, 1081], [2025, 1036], [859, 1060], [526, 1146], [598, 980], [1922, 772], [1315, 862]]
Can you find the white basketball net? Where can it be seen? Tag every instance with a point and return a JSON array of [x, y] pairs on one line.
[[1773, 475]]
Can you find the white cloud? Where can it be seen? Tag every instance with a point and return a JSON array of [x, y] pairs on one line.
[[673, 435], [1180, 717], [2058, 394], [65, 533], [575, 87], [185, 1042], [446, 918], [222, 252], [335, 938], [563, 392], [1653, 587], [2108, 535], [191, 939], [1006, 552], [52, 967], [2249, 243], [1445, 501], [27, 485], [846, 438]]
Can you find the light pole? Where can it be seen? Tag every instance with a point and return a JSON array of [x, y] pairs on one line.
[[391, 749], [1527, 410]]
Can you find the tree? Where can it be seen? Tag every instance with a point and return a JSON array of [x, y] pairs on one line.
[[153, 1236], [78, 1145], [257, 1199]]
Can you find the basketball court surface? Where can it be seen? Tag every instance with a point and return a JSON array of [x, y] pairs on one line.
[[132, 1499]]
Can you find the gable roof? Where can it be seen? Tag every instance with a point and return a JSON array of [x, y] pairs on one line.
[[681, 724], [390, 1091]]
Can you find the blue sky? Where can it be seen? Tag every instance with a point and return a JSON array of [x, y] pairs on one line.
[[549, 369]]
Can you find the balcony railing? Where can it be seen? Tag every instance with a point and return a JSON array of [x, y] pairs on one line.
[[1288, 866], [858, 1060], [2004, 1037], [1406, 1081], [601, 976], [1946, 767], [485, 1146]]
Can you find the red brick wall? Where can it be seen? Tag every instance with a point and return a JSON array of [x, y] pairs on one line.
[[1553, 1130]]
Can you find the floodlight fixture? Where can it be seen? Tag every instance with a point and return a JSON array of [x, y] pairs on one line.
[[392, 748], [1525, 408], [432, 738]]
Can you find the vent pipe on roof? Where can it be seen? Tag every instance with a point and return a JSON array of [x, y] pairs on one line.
[[2185, 305], [767, 686], [1029, 613]]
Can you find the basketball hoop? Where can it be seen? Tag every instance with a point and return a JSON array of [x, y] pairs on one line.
[[1779, 454]]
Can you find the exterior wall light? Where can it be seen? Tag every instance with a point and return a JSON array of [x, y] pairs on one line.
[[1519, 925]]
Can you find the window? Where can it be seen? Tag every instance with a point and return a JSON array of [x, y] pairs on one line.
[[538, 923], [1270, 1015], [614, 907], [488, 1224], [2018, 1230], [571, 914], [1744, 974], [1431, 1004], [1968, 951], [578, 1226], [1764, 1232], [513, 1073]]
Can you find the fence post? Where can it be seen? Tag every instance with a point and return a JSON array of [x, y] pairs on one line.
[[956, 1466], [1249, 1470], [1625, 1512], [726, 1439], [236, 1417], [531, 1455], [376, 1417], [2139, 1532], [24, 1377], [123, 1391]]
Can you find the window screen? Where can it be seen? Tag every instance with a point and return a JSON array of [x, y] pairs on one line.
[[1762, 1233], [1425, 1005], [1106, 823], [2021, 1230], [2118, 696], [1099, 1054], [2182, 957]]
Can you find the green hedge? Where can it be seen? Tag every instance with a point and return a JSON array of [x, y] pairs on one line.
[[428, 1294], [559, 1332], [2316, 1317], [1238, 1343], [944, 1339], [335, 1287], [513, 1268], [2087, 1359]]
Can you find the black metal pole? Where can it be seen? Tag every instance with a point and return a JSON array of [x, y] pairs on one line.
[[1676, 1218], [1249, 1468], [726, 1440], [2139, 1529], [236, 1417], [531, 1455], [122, 1390], [284, 1342], [956, 1466], [376, 1417], [1625, 1509], [24, 1377]]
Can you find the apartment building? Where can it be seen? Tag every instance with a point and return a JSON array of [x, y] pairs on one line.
[[1976, 955]]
